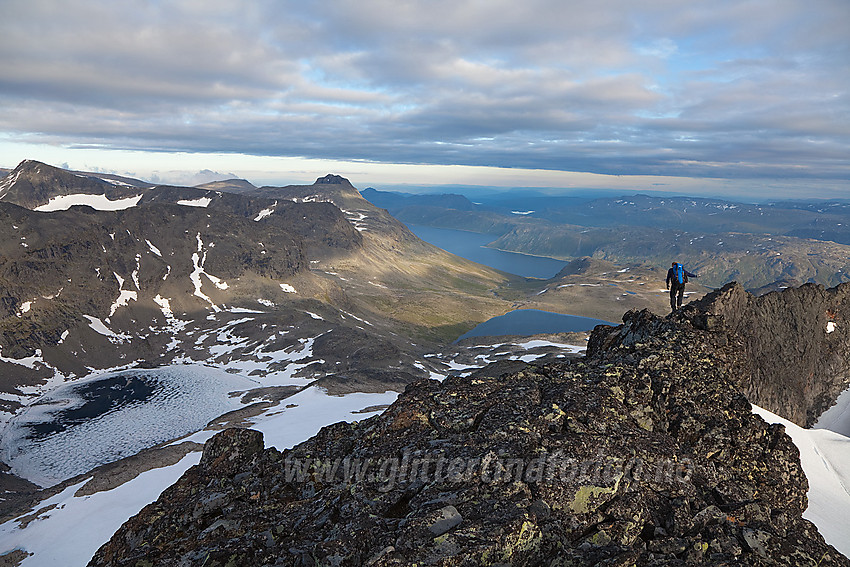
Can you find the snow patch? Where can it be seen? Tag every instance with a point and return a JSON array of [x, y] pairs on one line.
[[135, 274], [837, 417], [198, 261], [115, 182], [99, 202], [8, 182], [200, 202], [356, 218], [73, 528], [100, 327], [314, 409], [265, 212], [358, 318], [33, 362], [153, 248], [535, 343], [124, 296], [287, 288]]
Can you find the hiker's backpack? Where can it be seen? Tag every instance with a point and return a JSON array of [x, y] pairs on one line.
[[680, 273]]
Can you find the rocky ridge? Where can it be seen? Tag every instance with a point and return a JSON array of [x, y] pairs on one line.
[[645, 452], [791, 347]]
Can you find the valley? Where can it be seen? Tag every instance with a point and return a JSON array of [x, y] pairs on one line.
[[137, 321]]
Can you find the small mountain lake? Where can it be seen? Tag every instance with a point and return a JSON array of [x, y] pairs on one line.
[[532, 322]]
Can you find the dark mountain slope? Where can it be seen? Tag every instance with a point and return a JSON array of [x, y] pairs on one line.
[[57, 268], [644, 453], [792, 347], [33, 184], [82, 289]]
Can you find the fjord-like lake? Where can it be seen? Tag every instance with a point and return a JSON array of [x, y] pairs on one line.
[[470, 245]]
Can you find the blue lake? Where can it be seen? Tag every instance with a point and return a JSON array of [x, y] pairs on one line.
[[470, 245], [531, 322]]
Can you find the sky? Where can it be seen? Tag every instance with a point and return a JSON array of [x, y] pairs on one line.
[[745, 97]]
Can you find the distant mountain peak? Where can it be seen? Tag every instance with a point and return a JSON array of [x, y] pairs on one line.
[[31, 165], [28, 162], [331, 179], [33, 183], [229, 186]]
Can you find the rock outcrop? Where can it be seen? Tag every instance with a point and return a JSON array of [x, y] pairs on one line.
[[792, 347], [643, 453]]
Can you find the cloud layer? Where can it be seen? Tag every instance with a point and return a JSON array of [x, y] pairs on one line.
[[736, 89]]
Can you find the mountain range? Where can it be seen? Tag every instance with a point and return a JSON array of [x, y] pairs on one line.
[[754, 244], [138, 320]]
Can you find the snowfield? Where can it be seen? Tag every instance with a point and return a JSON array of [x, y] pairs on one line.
[[825, 457], [202, 202], [69, 529]]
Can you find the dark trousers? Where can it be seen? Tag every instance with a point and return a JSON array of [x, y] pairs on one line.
[[677, 293]]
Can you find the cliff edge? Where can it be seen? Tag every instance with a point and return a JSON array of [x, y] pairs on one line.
[[791, 347]]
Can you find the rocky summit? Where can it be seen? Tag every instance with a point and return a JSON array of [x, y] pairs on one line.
[[645, 452]]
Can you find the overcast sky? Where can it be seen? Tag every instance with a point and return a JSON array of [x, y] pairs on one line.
[[747, 95]]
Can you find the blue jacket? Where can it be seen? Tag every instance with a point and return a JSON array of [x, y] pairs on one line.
[[671, 276]]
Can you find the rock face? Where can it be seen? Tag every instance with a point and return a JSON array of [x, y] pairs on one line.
[[792, 347], [645, 452]]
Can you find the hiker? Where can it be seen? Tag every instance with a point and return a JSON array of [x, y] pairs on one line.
[[677, 277]]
